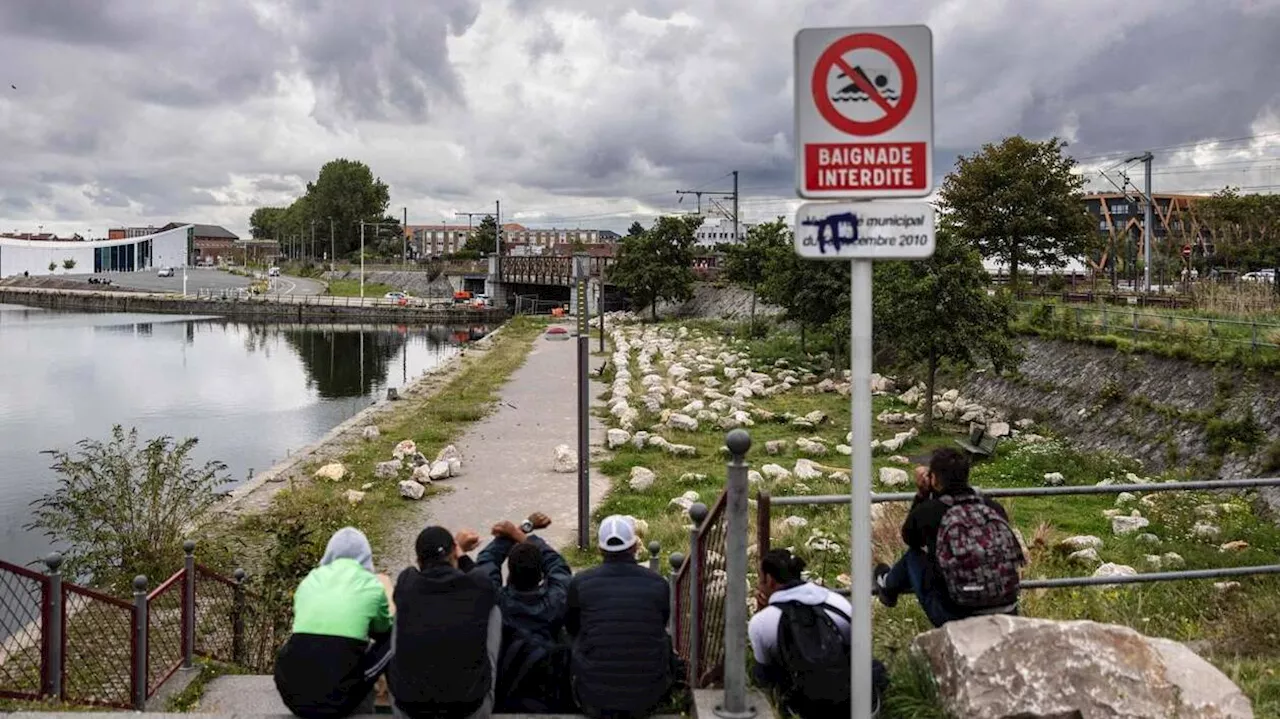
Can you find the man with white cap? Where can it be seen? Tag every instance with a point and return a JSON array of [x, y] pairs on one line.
[[622, 657]]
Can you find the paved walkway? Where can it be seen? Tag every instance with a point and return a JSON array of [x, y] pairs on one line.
[[506, 458]]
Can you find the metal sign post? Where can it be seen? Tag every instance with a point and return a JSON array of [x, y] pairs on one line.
[[584, 401], [864, 129]]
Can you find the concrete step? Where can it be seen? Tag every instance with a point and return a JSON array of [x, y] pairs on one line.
[[255, 695]]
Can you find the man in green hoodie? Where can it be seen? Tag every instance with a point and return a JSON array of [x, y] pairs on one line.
[[341, 639]]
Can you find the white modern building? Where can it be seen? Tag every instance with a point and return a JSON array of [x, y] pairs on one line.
[[720, 230], [168, 248]]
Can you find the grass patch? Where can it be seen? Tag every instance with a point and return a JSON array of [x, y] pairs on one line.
[[1241, 625], [351, 288], [188, 699]]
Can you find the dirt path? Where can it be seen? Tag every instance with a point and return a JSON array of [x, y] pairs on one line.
[[506, 471]]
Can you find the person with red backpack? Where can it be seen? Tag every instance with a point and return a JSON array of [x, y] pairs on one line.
[[963, 558], [800, 639]]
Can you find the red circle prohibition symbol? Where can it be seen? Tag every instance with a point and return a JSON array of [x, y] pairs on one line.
[[833, 58]]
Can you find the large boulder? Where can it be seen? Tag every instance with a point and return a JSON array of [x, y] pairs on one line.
[[388, 470], [404, 448], [410, 489], [642, 478], [615, 438], [564, 460], [334, 471], [1000, 667]]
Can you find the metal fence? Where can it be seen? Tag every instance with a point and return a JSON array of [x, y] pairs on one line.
[[82, 646], [1104, 319], [765, 504], [698, 590]]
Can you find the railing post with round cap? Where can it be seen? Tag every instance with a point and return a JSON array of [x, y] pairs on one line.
[[51, 667], [698, 513], [676, 560], [139, 642], [734, 705], [654, 548], [237, 618], [188, 603]]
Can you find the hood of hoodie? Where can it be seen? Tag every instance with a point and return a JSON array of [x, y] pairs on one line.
[[807, 593], [349, 543]]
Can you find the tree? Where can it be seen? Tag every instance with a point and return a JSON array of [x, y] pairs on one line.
[[53, 266], [812, 293], [483, 238], [265, 222], [1245, 229], [68, 264], [1018, 203], [745, 261], [121, 510], [346, 192], [938, 309], [657, 264], [635, 230]]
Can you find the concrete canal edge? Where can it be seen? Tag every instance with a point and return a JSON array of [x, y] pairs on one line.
[[256, 494]]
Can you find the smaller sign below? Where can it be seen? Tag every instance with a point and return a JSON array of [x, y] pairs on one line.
[[864, 230]]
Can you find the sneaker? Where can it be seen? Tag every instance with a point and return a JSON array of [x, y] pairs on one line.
[[878, 586]]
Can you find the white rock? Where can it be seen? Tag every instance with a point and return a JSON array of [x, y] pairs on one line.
[[681, 450], [353, 496], [439, 470], [1172, 560], [640, 440], [998, 429], [899, 459], [754, 477], [775, 446], [388, 470], [843, 478], [1147, 538], [1024, 424], [1080, 541], [805, 470], [1054, 479], [694, 407], [684, 501], [564, 460], [1128, 525], [422, 474], [642, 478], [370, 433], [1125, 498], [616, 438], [682, 422], [795, 522], [1114, 570], [448, 453], [334, 471], [1206, 530], [410, 489], [811, 447], [455, 467], [844, 449], [1002, 666], [894, 477], [404, 448], [1088, 557], [775, 472]]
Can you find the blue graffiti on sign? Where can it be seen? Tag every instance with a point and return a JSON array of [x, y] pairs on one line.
[[835, 229]]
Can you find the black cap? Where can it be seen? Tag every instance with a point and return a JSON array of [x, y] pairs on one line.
[[434, 544]]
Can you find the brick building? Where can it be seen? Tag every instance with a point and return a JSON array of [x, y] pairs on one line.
[[439, 240]]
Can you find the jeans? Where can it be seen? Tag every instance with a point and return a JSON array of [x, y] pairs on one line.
[[909, 574]]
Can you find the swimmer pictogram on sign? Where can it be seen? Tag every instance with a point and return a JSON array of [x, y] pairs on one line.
[[864, 112]]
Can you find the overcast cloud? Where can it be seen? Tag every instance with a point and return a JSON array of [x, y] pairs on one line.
[[581, 112]]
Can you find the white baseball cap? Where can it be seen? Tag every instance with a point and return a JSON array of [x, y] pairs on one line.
[[617, 533]]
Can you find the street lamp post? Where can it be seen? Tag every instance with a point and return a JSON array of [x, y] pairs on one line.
[[362, 264]]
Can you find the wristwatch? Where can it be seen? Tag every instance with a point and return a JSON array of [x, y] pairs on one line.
[[526, 526]]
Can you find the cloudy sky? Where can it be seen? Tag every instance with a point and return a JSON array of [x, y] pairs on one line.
[[578, 112]]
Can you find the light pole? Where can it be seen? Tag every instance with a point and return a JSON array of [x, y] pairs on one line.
[[362, 278]]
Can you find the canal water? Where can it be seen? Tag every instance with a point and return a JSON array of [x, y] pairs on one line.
[[250, 393]]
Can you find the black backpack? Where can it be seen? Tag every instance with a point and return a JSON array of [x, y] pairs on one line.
[[816, 657], [532, 674]]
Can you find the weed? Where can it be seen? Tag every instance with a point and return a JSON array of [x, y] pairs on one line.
[[1228, 435]]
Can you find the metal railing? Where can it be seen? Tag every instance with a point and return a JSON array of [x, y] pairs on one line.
[[765, 504], [1104, 319], [81, 646]]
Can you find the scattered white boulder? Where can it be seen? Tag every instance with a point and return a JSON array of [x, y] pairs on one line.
[[334, 471], [844, 449], [1109, 570], [615, 438], [404, 448], [795, 522], [439, 470], [754, 477], [681, 450], [1002, 666], [1054, 479], [775, 472], [1125, 498], [564, 460], [806, 470], [1147, 538], [1088, 557], [685, 501], [1079, 542], [1237, 546], [998, 429], [353, 496], [682, 422], [410, 489], [370, 432], [1206, 530], [642, 478], [811, 447], [388, 470], [1123, 525], [894, 477], [1172, 560], [422, 474]]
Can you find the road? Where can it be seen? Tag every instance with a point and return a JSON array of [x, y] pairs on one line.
[[204, 279]]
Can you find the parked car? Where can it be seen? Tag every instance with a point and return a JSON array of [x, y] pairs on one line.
[[273, 272], [165, 272], [1260, 276]]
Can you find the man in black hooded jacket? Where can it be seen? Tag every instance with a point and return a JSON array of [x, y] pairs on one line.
[[447, 632]]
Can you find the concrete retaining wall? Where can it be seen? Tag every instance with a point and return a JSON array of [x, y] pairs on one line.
[[302, 309]]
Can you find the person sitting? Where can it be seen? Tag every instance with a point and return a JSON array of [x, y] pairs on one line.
[[622, 663], [962, 556], [447, 633], [341, 640], [533, 666]]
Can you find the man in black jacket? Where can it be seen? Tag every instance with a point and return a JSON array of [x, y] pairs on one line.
[[622, 659], [533, 666], [938, 486], [447, 632]]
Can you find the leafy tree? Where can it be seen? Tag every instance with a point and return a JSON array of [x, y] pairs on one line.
[[68, 264], [658, 263], [812, 293], [53, 265], [1245, 229], [635, 230], [121, 509], [938, 309], [1018, 202], [347, 192], [483, 238], [745, 261], [265, 222]]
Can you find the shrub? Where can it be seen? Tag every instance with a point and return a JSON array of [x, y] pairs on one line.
[[121, 509], [53, 266], [68, 264]]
